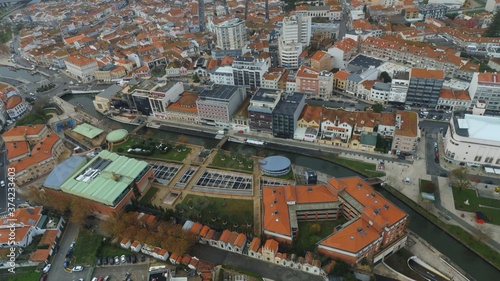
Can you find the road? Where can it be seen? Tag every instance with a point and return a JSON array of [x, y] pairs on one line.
[[422, 271], [57, 272], [264, 269]]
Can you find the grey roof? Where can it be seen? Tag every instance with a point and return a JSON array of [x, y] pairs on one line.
[[289, 105], [355, 77], [368, 138], [275, 163], [364, 62], [265, 95], [402, 75], [382, 86], [219, 92], [110, 92], [63, 171]]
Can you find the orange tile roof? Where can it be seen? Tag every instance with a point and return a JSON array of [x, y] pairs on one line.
[[13, 101], [20, 234], [73, 39], [427, 73], [240, 240], [318, 55], [174, 256], [186, 103], [346, 44], [40, 255], [16, 149], [49, 237], [272, 245], [489, 78], [210, 234], [311, 113], [135, 244], [24, 130], [204, 230], [226, 234], [196, 228], [79, 60], [409, 124], [307, 72], [26, 216], [307, 194], [275, 208], [255, 245], [350, 239], [454, 94], [40, 152], [341, 74]]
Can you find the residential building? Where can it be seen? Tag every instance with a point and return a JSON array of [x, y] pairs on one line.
[[110, 72], [231, 34], [435, 11], [340, 80], [184, 110], [325, 31], [81, 68], [26, 222], [216, 105], [399, 86], [314, 83], [274, 78], [106, 183], [322, 60], [286, 114], [223, 75], [486, 87], [248, 71], [407, 132], [295, 35], [424, 88], [337, 127], [330, 12], [342, 52], [260, 110], [380, 92], [16, 106], [354, 82], [454, 99], [33, 151], [473, 139]]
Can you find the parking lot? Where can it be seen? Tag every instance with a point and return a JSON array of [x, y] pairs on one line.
[[222, 182], [137, 271]]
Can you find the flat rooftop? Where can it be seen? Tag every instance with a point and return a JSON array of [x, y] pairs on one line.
[[106, 178], [478, 127], [219, 92]]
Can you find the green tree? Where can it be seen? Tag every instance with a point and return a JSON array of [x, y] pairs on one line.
[[340, 269], [385, 77], [196, 78], [494, 28], [315, 228], [459, 178], [377, 107]]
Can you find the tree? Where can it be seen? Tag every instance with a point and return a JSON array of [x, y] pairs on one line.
[[377, 107], [79, 211], [182, 139], [315, 228], [340, 269], [494, 28], [385, 77], [429, 187], [196, 78], [459, 178], [36, 195], [178, 241]]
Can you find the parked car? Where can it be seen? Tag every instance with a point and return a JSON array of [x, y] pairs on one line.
[[123, 259], [117, 260], [133, 258], [111, 261], [143, 258], [99, 261], [478, 180], [128, 258], [104, 261], [100, 279], [66, 264], [2, 183], [46, 268], [72, 245], [106, 278], [78, 268], [127, 275], [44, 277]]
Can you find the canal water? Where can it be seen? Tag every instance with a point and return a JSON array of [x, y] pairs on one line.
[[456, 252]]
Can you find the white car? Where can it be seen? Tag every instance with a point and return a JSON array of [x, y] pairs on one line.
[[2, 183], [77, 268], [46, 268]]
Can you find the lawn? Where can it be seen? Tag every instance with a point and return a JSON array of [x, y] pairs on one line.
[[173, 154], [306, 241], [234, 214], [149, 195], [368, 169], [460, 196], [288, 176], [108, 250], [22, 274], [228, 163], [32, 119], [86, 248]]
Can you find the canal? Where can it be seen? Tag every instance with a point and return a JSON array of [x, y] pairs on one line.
[[455, 251]]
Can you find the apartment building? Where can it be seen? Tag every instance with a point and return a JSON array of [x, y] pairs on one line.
[[425, 86], [16, 106], [389, 48], [81, 68], [492, 6], [473, 139], [184, 110], [231, 34], [33, 151], [380, 92], [260, 110], [354, 82], [222, 75], [314, 83], [321, 60], [435, 11], [337, 127], [399, 86], [248, 71], [155, 101], [330, 12], [216, 105], [342, 52], [294, 37], [407, 132], [286, 114], [454, 99], [486, 87], [340, 80]]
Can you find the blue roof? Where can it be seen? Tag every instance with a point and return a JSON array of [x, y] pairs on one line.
[[275, 163], [63, 171]]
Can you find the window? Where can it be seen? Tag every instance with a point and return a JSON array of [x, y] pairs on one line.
[[477, 158]]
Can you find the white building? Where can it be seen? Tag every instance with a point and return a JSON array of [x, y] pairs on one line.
[[492, 6], [295, 35], [158, 99], [473, 139], [399, 86], [218, 104], [231, 34], [223, 75], [486, 87], [15, 106], [248, 71], [331, 12], [81, 68], [380, 92]]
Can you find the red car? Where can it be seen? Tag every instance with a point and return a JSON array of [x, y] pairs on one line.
[[475, 179]]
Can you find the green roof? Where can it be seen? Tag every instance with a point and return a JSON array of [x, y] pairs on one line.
[[113, 181], [117, 135], [87, 130], [368, 138]]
